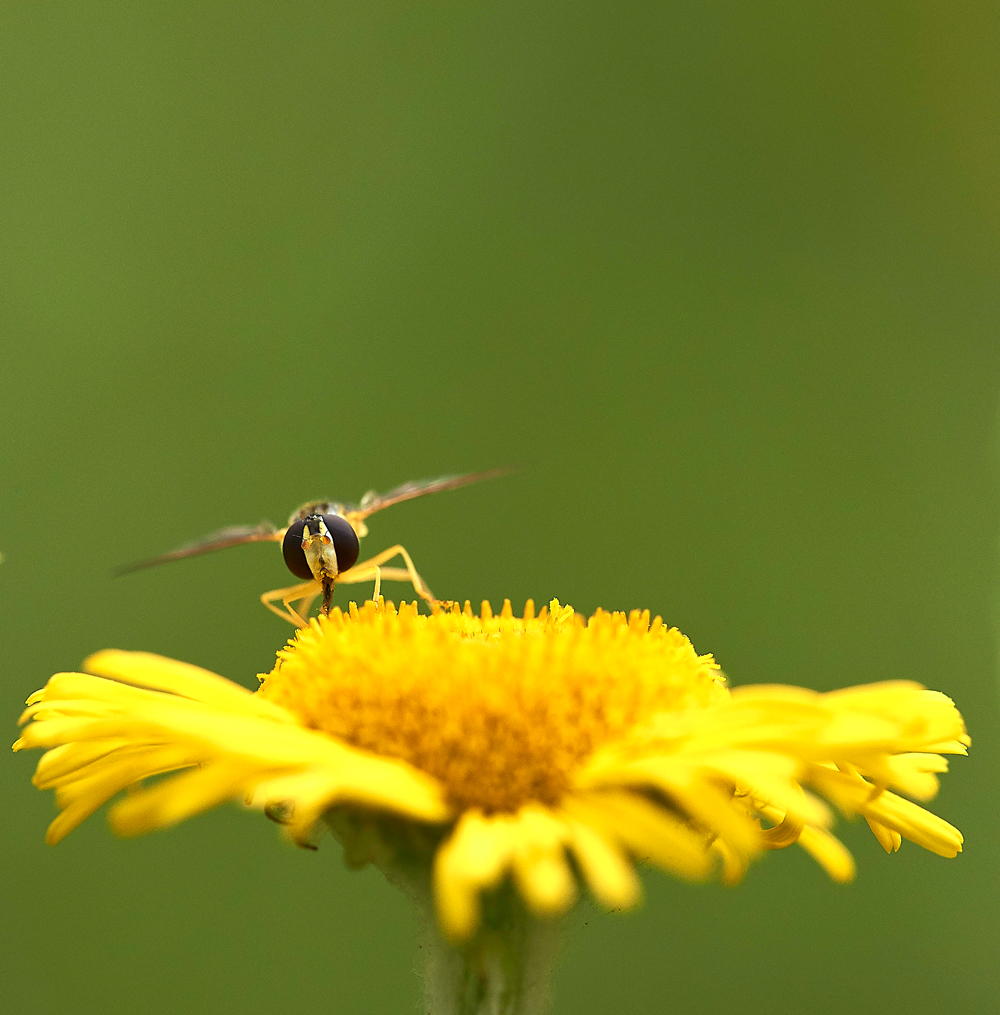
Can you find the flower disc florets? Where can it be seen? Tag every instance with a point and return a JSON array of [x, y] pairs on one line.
[[501, 710]]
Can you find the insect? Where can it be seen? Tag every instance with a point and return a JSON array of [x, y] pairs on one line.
[[321, 545]]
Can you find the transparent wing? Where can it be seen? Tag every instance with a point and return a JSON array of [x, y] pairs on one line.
[[372, 501], [235, 535]]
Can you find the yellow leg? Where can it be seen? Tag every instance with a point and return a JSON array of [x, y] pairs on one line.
[[366, 568], [389, 574], [306, 592], [305, 605], [378, 574]]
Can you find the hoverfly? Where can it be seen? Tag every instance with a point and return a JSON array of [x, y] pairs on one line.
[[321, 545]]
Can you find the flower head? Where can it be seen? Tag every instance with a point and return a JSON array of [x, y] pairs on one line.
[[511, 746]]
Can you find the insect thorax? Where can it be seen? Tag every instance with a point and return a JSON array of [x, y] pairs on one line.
[[316, 507]]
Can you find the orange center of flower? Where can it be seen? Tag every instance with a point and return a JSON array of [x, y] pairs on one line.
[[500, 709]]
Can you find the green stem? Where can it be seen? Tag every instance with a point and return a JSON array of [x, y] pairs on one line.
[[504, 969]]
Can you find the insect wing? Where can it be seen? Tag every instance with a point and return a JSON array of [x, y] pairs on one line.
[[234, 535], [372, 501]]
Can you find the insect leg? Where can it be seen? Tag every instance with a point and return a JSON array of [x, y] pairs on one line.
[[305, 604], [389, 574], [392, 574], [306, 592], [367, 573]]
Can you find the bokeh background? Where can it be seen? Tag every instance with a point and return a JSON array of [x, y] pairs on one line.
[[720, 278]]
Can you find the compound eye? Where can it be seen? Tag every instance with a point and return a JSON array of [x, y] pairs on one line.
[[291, 548], [345, 541]]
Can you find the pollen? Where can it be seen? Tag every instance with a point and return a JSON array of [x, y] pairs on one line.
[[521, 703]]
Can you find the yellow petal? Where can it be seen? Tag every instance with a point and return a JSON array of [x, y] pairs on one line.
[[785, 833], [64, 730], [888, 839], [679, 779], [149, 670], [648, 831], [173, 800], [914, 823], [734, 865], [829, 852], [380, 783], [771, 777], [608, 874], [914, 774], [474, 857], [111, 774], [539, 861], [950, 746], [849, 732], [79, 799], [70, 758], [69, 818]]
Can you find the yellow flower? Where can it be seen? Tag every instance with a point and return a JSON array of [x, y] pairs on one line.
[[495, 746]]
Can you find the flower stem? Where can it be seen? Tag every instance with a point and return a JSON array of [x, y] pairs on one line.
[[504, 969]]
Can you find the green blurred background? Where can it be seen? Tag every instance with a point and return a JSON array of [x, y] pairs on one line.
[[722, 279]]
